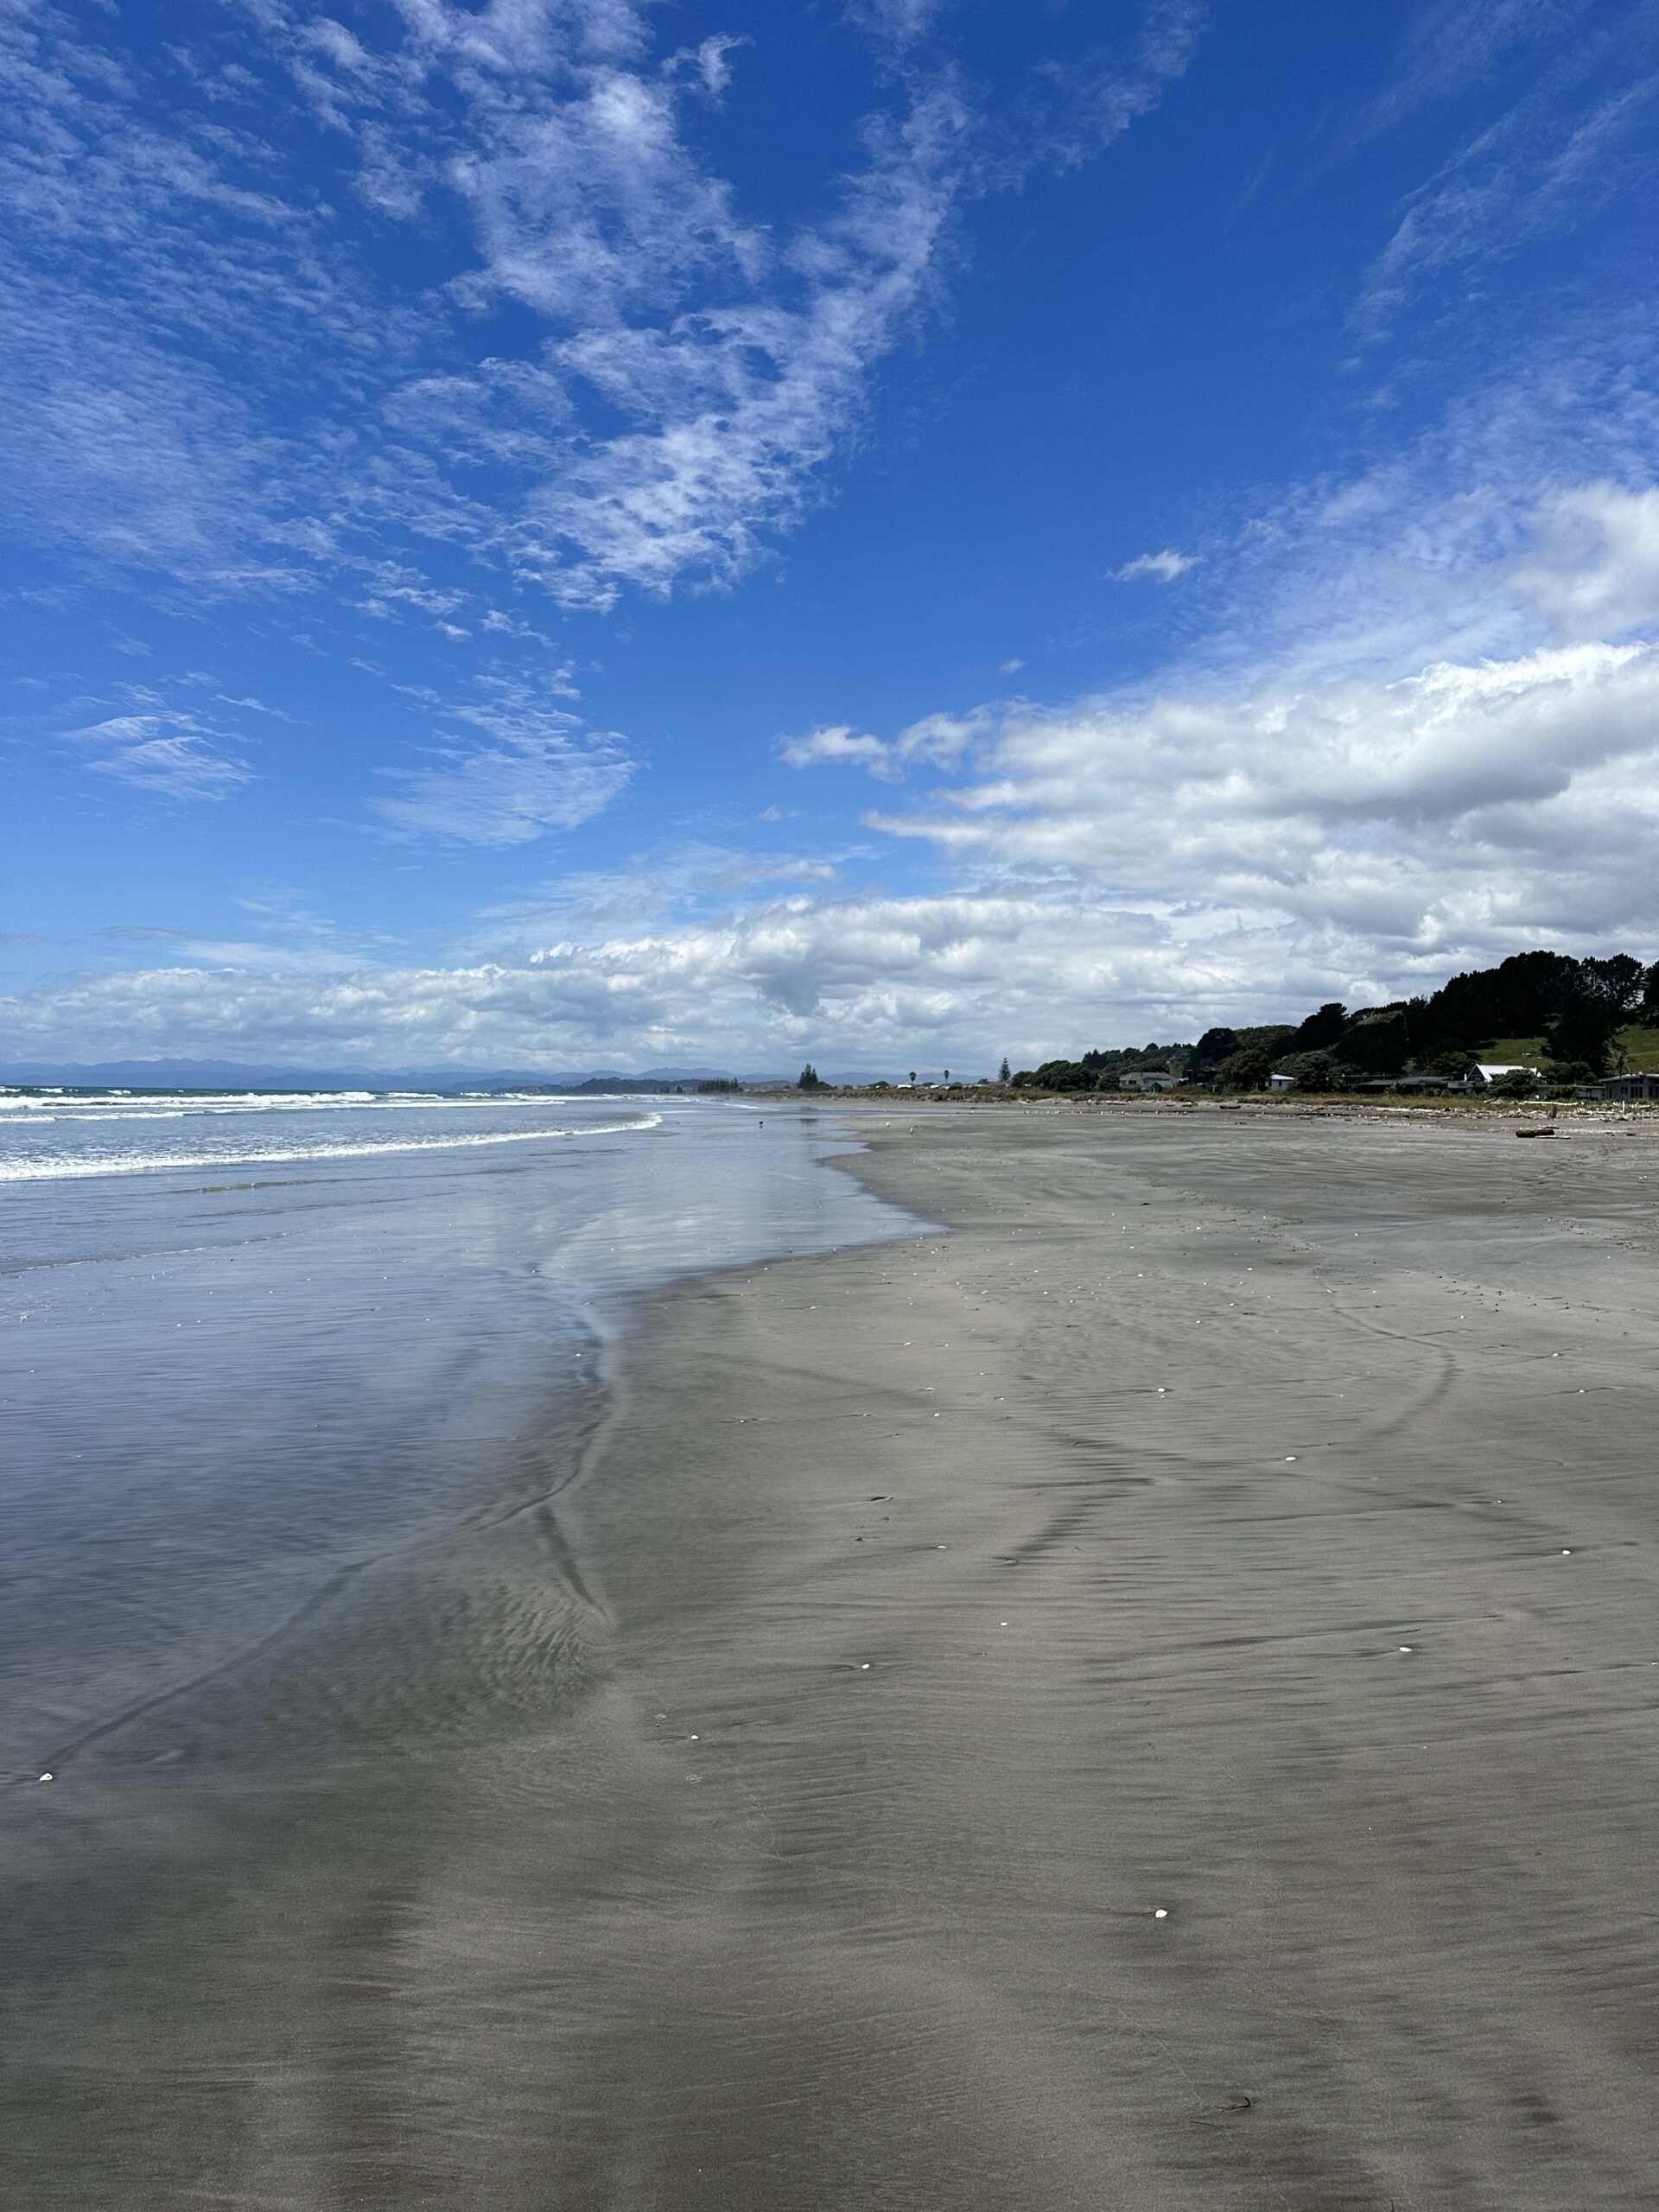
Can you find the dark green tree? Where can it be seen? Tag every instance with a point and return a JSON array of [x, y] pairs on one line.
[[1321, 1029], [1620, 982], [1211, 1049], [1378, 1044], [1004, 1074], [810, 1078], [1583, 1031], [1245, 1071], [1320, 1071], [1063, 1075]]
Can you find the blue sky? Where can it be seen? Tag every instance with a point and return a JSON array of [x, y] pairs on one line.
[[568, 532]]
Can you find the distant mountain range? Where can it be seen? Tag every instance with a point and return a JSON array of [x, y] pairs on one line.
[[236, 1075]]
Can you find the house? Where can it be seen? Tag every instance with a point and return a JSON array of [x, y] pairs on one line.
[[1281, 1082], [1148, 1079], [1623, 1086], [1485, 1071]]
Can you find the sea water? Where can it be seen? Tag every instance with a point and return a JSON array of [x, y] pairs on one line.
[[247, 1339]]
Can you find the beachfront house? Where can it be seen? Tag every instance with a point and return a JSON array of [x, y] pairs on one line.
[[1281, 1082], [1485, 1071], [1623, 1086], [1148, 1079]]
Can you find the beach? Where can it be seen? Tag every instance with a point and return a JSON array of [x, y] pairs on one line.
[[1141, 1695]]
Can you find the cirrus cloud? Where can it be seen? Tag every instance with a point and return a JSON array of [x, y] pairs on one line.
[[602, 371]]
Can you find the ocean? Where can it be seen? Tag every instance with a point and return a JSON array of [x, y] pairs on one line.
[[250, 1342]]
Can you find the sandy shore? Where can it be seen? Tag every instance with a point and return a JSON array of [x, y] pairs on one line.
[[769, 1800]]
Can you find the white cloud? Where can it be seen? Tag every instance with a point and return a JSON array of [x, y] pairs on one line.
[[173, 755], [1518, 787], [899, 21], [859, 982], [937, 740], [518, 767], [1445, 749], [1447, 49], [1593, 571], [656, 894], [1567, 144], [213, 377], [858, 979], [1165, 567], [738, 406], [837, 745], [1124, 868], [508, 792]]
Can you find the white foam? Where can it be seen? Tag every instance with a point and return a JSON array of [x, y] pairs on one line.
[[53, 1168], [162, 1106]]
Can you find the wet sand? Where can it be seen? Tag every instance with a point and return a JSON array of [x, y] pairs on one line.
[[767, 1799]]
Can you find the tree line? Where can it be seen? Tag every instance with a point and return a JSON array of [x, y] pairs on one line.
[[1577, 1008]]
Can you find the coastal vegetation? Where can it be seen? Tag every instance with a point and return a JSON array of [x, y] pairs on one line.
[[1557, 1021]]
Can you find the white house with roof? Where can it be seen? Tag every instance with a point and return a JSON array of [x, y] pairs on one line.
[[1485, 1071]]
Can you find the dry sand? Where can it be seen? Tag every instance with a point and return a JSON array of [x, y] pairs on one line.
[[768, 1801]]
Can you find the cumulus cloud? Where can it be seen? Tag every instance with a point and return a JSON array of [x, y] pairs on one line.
[[1445, 749], [1230, 842], [1123, 867], [1411, 807], [1593, 571], [857, 980], [837, 744], [937, 740], [1163, 566]]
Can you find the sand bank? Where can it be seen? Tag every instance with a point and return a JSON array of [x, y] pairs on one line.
[[1249, 1522]]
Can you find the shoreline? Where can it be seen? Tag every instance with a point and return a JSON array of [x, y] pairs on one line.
[[1462, 1112], [822, 1885]]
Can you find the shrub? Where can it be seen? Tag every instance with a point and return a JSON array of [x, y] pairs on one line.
[[1519, 1083]]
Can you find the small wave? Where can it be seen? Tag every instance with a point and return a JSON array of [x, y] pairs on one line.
[[55, 1168], [34, 1112]]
